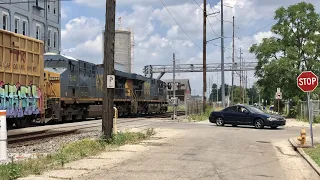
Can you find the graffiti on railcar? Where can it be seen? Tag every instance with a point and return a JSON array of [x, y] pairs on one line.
[[20, 100]]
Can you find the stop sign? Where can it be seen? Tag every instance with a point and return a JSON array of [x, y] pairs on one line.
[[307, 81]]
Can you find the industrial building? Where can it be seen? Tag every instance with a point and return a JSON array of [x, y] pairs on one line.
[[40, 19], [182, 89], [124, 48]]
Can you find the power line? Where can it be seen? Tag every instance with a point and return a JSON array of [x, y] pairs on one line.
[[207, 19], [179, 24], [210, 3], [258, 30], [212, 28]]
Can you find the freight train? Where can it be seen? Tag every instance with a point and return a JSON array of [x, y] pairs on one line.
[[38, 87]]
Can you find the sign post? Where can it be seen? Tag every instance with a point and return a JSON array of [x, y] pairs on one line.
[[307, 81], [278, 97]]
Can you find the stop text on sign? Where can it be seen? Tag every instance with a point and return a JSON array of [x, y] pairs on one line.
[[307, 81]]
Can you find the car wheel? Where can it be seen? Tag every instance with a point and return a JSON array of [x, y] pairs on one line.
[[220, 121], [258, 124]]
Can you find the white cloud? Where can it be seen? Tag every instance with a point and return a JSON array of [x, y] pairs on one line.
[[157, 35], [64, 11], [140, 21], [261, 35], [79, 30], [101, 3], [90, 50]]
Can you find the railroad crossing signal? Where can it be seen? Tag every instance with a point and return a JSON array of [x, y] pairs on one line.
[[307, 81]]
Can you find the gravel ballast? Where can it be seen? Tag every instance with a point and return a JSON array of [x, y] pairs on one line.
[[45, 146]]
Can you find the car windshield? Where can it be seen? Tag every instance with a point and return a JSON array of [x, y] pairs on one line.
[[255, 110]]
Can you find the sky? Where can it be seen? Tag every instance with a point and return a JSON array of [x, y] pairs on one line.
[[157, 35]]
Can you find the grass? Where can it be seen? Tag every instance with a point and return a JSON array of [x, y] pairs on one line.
[[314, 153], [202, 116], [68, 153], [179, 108], [316, 120]]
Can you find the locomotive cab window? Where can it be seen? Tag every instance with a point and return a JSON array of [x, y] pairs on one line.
[[71, 66]]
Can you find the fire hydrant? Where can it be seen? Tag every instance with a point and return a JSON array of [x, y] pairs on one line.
[[303, 137]]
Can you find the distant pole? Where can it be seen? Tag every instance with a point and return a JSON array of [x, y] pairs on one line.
[[244, 83], [240, 74], [217, 88], [174, 86], [246, 93], [232, 83], [108, 64], [204, 54], [222, 60]]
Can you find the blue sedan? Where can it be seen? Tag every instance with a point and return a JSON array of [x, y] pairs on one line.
[[246, 115]]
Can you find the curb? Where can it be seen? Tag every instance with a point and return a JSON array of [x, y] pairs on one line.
[[300, 150]]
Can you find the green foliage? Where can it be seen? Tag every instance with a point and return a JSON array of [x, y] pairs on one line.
[[294, 48], [70, 152], [281, 105], [179, 108], [316, 119], [238, 93], [202, 116]]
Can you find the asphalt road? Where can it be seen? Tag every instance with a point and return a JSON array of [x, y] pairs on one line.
[[205, 151]]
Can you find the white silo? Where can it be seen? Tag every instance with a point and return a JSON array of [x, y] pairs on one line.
[[123, 48]]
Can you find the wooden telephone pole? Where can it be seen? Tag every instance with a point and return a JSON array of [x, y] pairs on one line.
[[204, 54], [108, 64], [232, 83]]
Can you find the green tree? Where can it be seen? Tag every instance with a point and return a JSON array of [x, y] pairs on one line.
[[226, 91], [253, 95], [294, 48], [213, 94]]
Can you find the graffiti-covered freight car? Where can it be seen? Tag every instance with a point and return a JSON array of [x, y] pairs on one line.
[[21, 78], [75, 90]]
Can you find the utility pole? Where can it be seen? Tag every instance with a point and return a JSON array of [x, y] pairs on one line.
[[246, 95], [232, 83], [108, 64], [244, 83], [174, 86], [204, 54], [240, 73], [222, 60], [217, 87]]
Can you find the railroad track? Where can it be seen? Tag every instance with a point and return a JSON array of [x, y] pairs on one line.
[[163, 115], [29, 138], [38, 135]]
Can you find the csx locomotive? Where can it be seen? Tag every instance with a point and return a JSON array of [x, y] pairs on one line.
[[75, 90], [51, 87]]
